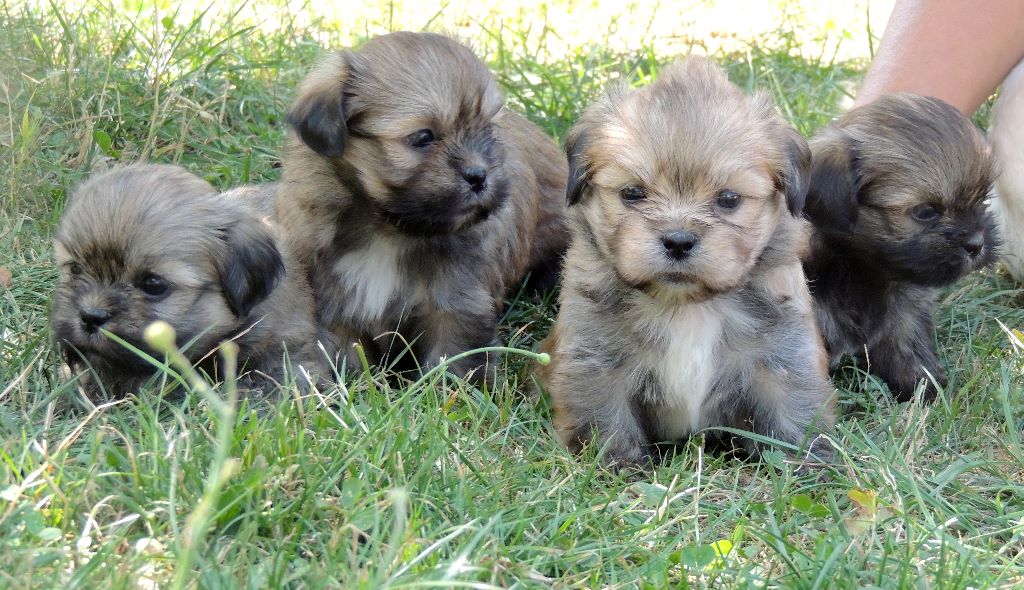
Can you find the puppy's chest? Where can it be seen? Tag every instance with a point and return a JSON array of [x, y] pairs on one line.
[[372, 282], [684, 359], [855, 316], [383, 282]]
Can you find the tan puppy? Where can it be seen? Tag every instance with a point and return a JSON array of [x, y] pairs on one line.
[[897, 197], [684, 305], [418, 198], [146, 243]]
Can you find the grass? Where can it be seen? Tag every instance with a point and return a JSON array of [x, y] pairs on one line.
[[365, 485]]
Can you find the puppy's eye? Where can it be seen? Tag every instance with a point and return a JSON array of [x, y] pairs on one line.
[[421, 139], [74, 268], [728, 199], [633, 193], [152, 284], [926, 212]]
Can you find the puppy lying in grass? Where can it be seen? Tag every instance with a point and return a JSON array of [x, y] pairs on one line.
[[150, 242], [684, 304]]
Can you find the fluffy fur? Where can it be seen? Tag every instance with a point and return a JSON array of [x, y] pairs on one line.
[[1007, 136], [897, 200], [684, 305], [418, 198], [146, 243]]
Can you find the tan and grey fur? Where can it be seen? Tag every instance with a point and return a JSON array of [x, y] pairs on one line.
[[897, 198], [153, 242], [684, 305], [418, 199]]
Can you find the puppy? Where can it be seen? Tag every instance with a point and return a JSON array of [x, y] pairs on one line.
[[684, 305], [897, 199], [151, 242], [417, 198]]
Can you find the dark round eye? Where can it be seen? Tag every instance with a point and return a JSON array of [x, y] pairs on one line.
[[925, 212], [633, 193], [74, 268], [152, 284], [728, 199], [421, 138]]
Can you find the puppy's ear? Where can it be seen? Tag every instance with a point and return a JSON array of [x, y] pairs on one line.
[[795, 169], [318, 113], [580, 172], [834, 185], [250, 267]]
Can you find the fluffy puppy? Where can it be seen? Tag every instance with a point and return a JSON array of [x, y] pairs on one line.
[[418, 198], [684, 305], [897, 199], [151, 242]]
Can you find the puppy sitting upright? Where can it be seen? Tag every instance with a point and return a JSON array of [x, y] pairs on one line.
[[897, 198], [146, 243], [417, 198], [684, 305]]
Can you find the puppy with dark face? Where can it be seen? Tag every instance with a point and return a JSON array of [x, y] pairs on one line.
[[146, 243], [684, 305], [417, 198], [897, 199]]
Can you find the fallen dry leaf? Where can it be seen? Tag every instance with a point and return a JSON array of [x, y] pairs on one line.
[[5, 277]]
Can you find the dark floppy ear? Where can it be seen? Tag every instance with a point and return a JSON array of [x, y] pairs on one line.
[[579, 169], [318, 113], [795, 170], [834, 185], [251, 266]]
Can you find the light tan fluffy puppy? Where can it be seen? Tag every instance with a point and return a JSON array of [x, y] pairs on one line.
[[417, 198], [152, 242], [684, 305]]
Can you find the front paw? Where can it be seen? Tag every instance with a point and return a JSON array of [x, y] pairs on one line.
[[819, 454], [478, 369], [627, 458], [904, 389]]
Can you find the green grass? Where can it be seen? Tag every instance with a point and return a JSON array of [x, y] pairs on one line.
[[441, 485]]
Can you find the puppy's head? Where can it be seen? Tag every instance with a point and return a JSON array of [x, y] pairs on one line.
[[681, 184], [146, 243], [901, 184], [413, 114]]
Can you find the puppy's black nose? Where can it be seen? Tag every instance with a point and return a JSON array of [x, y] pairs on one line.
[[93, 318], [476, 176], [678, 243], [974, 244]]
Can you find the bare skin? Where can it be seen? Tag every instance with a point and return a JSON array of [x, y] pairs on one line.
[[953, 50]]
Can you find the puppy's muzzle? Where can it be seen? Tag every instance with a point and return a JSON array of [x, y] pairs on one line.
[[476, 177], [93, 318], [974, 244], [679, 243]]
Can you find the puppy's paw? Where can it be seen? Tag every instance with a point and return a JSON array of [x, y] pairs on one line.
[[478, 369], [624, 459], [906, 390], [819, 454]]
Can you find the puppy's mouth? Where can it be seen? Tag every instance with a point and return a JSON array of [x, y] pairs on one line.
[[97, 349], [676, 278], [452, 223], [474, 215], [444, 218]]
